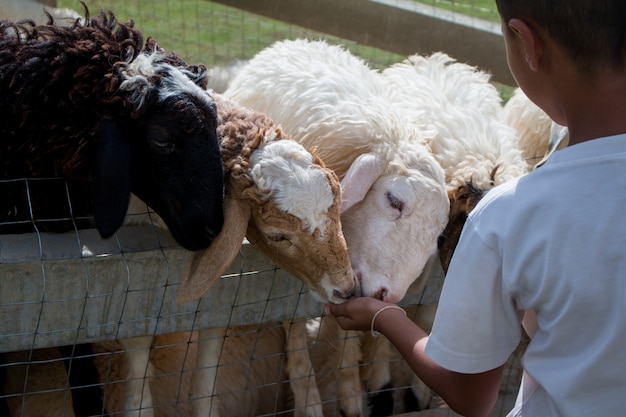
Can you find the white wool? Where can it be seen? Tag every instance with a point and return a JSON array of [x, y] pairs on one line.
[[461, 114], [532, 125], [335, 105], [283, 170]]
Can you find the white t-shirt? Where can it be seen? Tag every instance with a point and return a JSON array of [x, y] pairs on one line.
[[553, 241]]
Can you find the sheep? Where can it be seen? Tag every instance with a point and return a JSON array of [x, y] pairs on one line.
[[284, 200], [91, 115], [40, 14], [394, 199], [460, 112], [537, 135], [88, 105]]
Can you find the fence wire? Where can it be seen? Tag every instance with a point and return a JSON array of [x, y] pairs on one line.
[[70, 301]]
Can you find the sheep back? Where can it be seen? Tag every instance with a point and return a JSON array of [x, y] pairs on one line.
[[325, 97]]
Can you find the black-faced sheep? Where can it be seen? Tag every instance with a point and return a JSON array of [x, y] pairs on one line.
[[460, 113], [91, 116], [89, 105]]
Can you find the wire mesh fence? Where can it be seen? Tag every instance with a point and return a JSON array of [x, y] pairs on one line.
[[92, 327]]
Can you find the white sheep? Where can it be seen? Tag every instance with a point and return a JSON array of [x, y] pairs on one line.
[[394, 200], [537, 135], [460, 112]]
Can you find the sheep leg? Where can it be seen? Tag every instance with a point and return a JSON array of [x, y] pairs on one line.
[[378, 353], [139, 396], [307, 399], [204, 378], [350, 391], [82, 377]]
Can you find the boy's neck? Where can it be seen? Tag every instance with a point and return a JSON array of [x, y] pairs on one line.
[[597, 110]]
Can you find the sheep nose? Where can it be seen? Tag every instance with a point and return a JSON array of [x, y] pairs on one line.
[[355, 291], [381, 294]]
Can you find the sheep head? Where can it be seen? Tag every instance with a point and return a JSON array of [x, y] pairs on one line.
[[176, 163], [296, 219], [285, 201], [87, 104], [467, 182], [392, 229]]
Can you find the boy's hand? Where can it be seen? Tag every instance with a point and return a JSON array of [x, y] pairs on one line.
[[357, 313]]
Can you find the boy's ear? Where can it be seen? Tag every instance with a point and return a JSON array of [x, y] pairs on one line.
[[530, 41]]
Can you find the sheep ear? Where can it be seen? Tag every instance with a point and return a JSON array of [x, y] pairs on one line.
[[206, 266], [112, 177], [363, 172]]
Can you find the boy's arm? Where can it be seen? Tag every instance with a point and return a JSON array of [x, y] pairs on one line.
[[467, 394]]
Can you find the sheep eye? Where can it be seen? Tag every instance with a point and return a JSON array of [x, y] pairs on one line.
[[277, 238], [395, 202], [164, 145]]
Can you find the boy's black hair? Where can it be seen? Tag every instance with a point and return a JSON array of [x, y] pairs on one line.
[[592, 32]]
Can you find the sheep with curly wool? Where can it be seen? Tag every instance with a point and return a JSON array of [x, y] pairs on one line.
[[537, 135], [286, 203], [284, 200], [460, 112], [90, 105]]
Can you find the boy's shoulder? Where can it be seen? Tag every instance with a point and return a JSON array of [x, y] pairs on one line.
[[573, 168]]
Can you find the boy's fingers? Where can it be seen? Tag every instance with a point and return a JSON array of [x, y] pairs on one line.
[[327, 309], [334, 309]]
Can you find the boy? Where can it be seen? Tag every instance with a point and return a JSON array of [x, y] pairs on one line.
[[548, 249]]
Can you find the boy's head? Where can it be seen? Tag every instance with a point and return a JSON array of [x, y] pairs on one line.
[[592, 32]]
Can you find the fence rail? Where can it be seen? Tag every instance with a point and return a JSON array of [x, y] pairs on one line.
[[399, 26]]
